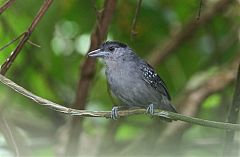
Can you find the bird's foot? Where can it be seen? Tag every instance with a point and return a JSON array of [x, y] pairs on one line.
[[163, 114], [150, 109], [114, 115]]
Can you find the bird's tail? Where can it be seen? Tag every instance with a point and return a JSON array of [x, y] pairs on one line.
[[172, 108], [167, 105]]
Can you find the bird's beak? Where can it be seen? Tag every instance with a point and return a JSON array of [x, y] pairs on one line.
[[97, 53]]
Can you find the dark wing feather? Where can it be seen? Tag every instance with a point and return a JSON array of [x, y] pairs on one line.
[[153, 79]]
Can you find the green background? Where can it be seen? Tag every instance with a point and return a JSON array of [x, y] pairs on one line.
[[52, 71]]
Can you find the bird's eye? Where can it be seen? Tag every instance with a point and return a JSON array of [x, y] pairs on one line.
[[111, 49]]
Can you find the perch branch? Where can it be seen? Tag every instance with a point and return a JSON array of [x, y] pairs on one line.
[[106, 114], [6, 65]]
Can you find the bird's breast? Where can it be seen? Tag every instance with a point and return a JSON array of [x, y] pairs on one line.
[[119, 77], [127, 85], [120, 80]]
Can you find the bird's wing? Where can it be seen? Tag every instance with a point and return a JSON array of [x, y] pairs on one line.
[[153, 79]]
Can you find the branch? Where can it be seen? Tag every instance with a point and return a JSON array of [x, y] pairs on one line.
[[106, 114], [87, 74], [6, 65], [134, 22], [186, 33], [232, 118], [6, 5], [199, 10]]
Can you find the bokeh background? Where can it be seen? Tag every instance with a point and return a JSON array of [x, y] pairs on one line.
[[198, 66]]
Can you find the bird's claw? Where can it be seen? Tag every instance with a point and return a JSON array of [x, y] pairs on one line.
[[164, 114], [114, 114], [150, 109]]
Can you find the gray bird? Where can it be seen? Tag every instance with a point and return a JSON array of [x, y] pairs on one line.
[[132, 80]]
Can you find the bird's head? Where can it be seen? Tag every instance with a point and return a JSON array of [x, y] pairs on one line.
[[113, 51]]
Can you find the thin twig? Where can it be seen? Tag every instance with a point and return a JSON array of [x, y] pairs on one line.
[[134, 22], [34, 44], [232, 118], [8, 44], [106, 114], [9, 136], [15, 39], [6, 5], [199, 10], [97, 12], [6, 65]]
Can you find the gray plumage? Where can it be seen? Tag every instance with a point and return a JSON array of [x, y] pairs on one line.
[[132, 80]]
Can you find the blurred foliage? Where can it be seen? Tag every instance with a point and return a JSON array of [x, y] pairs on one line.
[[52, 71]]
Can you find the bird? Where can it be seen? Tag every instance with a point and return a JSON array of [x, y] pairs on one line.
[[131, 80]]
